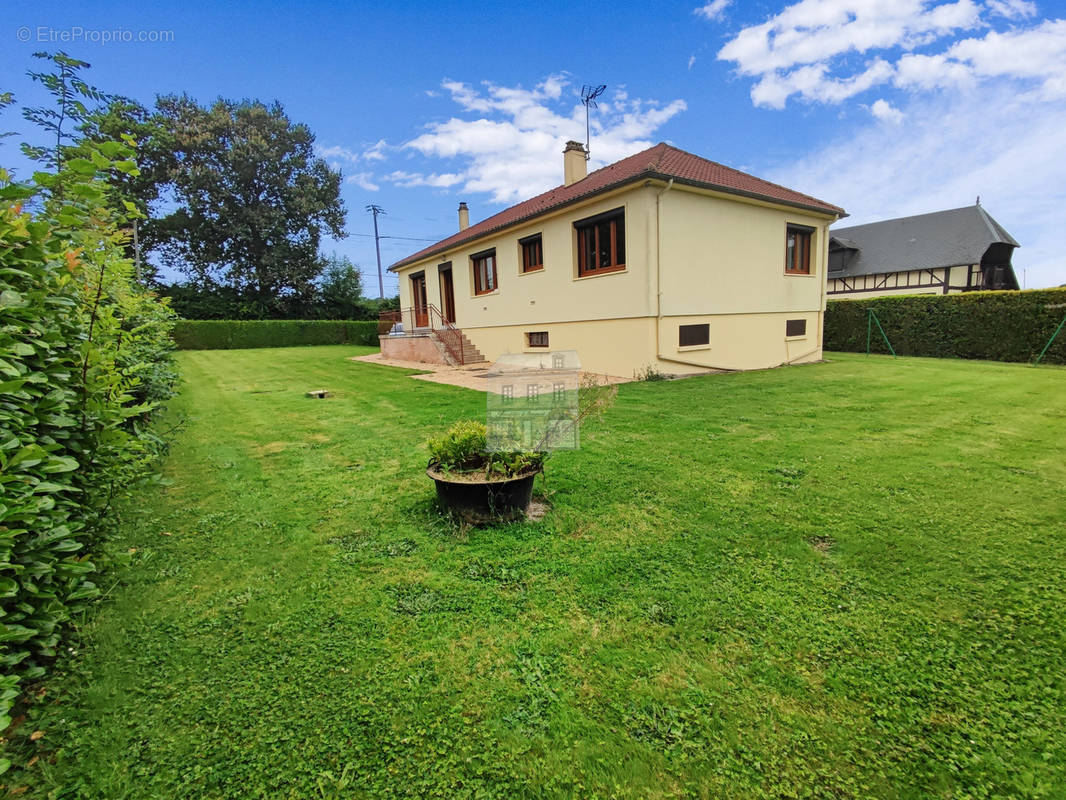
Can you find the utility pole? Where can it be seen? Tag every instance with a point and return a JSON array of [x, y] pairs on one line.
[[375, 210]]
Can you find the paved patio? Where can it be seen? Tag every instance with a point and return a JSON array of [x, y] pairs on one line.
[[470, 376]]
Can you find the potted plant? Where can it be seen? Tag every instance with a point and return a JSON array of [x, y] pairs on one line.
[[477, 484], [482, 485]]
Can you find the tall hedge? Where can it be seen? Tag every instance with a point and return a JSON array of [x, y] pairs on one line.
[[212, 334], [84, 368], [999, 326]]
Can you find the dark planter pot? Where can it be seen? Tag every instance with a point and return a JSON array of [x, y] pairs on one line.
[[485, 501]]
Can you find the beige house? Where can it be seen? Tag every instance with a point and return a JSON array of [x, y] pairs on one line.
[[662, 260], [945, 252]]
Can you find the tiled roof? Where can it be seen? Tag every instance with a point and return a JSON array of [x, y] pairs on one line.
[[661, 161]]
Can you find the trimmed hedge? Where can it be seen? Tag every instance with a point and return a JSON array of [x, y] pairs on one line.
[[225, 334], [999, 326]]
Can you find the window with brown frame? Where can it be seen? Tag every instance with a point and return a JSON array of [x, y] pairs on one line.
[[532, 253], [484, 264], [693, 335], [798, 250], [795, 327], [537, 338], [601, 243]]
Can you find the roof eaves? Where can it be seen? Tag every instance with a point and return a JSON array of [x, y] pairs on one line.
[[520, 220], [717, 187], [648, 173]]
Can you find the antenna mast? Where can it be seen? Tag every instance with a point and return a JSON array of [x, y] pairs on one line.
[[375, 210], [589, 93]]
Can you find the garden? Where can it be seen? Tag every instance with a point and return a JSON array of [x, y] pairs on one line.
[[842, 580]]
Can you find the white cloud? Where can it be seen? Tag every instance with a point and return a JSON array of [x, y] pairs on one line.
[[364, 180], [1011, 9], [815, 31], [339, 156], [335, 154], [691, 61], [886, 112], [813, 83], [513, 148], [714, 9], [1035, 54], [809, 50], [376, 151], [404, 178], [996, 144]]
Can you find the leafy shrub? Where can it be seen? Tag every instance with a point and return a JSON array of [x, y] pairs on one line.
[[461, 447], [241, 334], [650, 374], [85, 366], [999, 326]]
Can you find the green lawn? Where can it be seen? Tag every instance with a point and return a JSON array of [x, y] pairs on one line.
[[844, 580]]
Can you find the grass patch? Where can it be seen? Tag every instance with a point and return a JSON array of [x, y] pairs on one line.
[[842, 580]]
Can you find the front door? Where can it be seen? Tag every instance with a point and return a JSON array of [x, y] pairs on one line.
[[418, 292], [447, 295]]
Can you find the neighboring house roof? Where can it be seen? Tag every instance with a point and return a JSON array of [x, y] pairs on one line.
[[925, 241], [661, 161]]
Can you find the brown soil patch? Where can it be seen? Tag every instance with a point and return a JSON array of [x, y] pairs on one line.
[[821, 543]]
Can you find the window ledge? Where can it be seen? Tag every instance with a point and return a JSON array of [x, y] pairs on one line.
[[600, 275], [690, 347], [800, 275], [536, 271], [795, 338], [485, 294]]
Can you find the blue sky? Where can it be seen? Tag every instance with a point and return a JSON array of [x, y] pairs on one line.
[[884, 107]]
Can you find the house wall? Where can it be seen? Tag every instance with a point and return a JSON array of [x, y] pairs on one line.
[[722, 262], [620, 347], [555, 293], [903, 282]]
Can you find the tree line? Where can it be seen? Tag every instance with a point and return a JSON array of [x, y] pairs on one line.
[[229, 195]]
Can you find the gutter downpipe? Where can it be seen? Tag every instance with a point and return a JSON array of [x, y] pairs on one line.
[[659, 288]]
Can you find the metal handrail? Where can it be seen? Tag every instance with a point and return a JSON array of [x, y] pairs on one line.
[[448, 335]]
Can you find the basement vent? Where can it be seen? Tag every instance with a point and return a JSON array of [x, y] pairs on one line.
[[693, 335]]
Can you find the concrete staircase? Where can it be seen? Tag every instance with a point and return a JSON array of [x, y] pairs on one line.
[[471, 355]]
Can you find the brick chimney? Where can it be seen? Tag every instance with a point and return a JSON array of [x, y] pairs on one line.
[[464, 217], [575, 165]]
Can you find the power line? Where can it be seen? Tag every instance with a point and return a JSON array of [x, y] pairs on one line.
[[404, 238]]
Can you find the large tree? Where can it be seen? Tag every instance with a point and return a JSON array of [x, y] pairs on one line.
[[253, 201]]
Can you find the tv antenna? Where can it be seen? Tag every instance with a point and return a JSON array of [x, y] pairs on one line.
[[589, 93], [375, 210]]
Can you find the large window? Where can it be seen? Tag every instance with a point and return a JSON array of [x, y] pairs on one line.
[[601, 243], [484, 264], [798, 250], [532, 253]]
